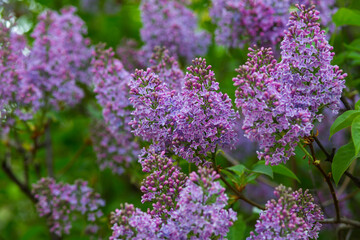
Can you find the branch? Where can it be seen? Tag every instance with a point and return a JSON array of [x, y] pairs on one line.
[[351, 222], [49, 151], [24, 188]]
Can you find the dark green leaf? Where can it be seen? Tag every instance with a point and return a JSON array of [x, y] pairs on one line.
[[263, 169], [283, 170], [237, 231], [343, 121], [342, 160], [357, 105], [355, 134]]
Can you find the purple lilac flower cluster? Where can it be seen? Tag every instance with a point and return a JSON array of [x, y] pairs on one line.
[[164, 183], [170, 24], [199, 214], [293, 216], [47, 75], [59, 57], [59, 202], [281, 100], [114, 150], [249, 21], [114, 144], [16, 97], [190, 123]]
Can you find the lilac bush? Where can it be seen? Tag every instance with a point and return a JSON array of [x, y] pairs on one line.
[[281, 100], [58, 202], [294, 215]]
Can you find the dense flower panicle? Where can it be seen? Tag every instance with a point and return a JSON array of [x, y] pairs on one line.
[[200, 212], [111, 86], [170, 24], [163, 185], [114, 150], [306, 63], [15, 97], [249, 21], [281, 101], [59, 58], [131, 223], [59, 202], [293, 216], [190, 123], [167, 68]]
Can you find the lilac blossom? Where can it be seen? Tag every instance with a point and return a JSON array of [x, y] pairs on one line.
[[132, 223], [170, 24], [17, 99], [130, 56], [163, 185], [200, 212], [58, 58], [115, 144], [58, 202], [114, 150], [249, 21], [191, 123], [281, 100], [293, 216]]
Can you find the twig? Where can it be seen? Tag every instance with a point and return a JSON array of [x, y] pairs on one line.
[[76, 156], [351, 222], [328, 181], [345, 102]]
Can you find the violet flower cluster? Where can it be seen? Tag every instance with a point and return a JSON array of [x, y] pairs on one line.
[[170, 24], [59, 202], [47, 74], [199, 214], [163, 185], [281, 100], [114, 143], [293, 216], [60, 57], [190, 123], [16, 97], [249, 21]]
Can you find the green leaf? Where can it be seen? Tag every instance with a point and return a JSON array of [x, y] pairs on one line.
[[343, 121], [342, 160], [237, 231], [346, 16], [234, 178], [355, 134], [263, 169], [357, 105], [283, 170], [239, 169]]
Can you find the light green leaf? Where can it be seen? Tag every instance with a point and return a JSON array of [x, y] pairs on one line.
[[237, 231], [357, 105], [283, 170], [239, 169], [342, 160], [343, 121], [355, 134], [263, 169], [346, 16]]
